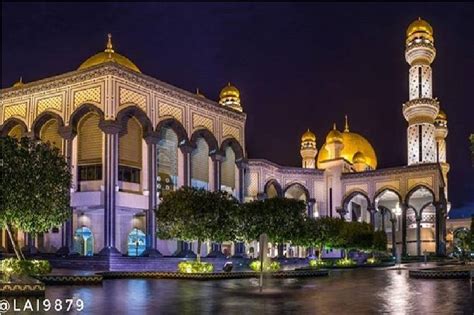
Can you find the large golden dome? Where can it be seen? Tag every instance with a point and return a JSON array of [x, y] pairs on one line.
[[419, 28], [353, 143], [229, 91], [308, 135], [109, 55]]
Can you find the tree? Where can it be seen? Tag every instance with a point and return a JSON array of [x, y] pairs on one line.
[[356, 235], [380, 241], [197, 214], [35, 186], [320, 233], [280, 218]]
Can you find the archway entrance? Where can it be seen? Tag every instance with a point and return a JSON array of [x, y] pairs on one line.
[[136, 242], [84, 241]]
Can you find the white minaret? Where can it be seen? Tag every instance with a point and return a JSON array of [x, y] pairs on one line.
[[421, 109], [308, 150]]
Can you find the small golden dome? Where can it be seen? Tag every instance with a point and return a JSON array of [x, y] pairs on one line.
[[308, 136], [419, 28], [198, 93], [19, 83], [109, 55], [334, 136], [441, 115], [229, 91], [358, 157]]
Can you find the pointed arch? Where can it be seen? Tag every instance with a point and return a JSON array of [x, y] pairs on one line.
[[11, 123], [208, 137], [273, 182], [81, 111], [236, 147], [297, 186], [417, 187], [348, 197], [176, 126], [134, 111], [42, 119], [388, 189]]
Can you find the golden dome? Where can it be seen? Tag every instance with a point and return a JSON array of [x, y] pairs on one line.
[[19, 83], [353, 143], [359, 157], [419, 28], [308, 136], [334, 135], [229, 91], [441, 115], [109, 55]]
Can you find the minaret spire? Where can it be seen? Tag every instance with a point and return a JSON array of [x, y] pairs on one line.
[[109, 48], [346, 128]]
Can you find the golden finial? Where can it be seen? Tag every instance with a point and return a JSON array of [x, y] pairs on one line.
[[199, 93], [346, 128], [334, 126], [19, 83], [109, 48]]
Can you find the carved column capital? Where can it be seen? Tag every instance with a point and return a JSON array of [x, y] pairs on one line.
[[152, 138], [110, 126], [67, 132]]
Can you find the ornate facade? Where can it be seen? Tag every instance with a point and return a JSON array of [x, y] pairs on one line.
[[128, 137]]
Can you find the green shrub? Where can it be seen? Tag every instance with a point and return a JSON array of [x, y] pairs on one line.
[[373, 261], [345, 263], [195, 267], [319, 263], [267, 266], [15, 267]]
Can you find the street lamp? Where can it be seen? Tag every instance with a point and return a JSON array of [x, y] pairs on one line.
[[398, 212]]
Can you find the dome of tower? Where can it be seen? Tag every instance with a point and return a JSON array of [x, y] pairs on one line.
[[441, 115], [419, 28], [308, 136], [109, 55], [359, 157], [229, 91], [334, 136], [19, 83]]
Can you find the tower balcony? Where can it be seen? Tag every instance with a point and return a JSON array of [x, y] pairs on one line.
[[420, 53], [421, 110]]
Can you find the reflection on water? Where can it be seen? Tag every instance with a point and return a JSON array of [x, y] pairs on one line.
[[360, 291]]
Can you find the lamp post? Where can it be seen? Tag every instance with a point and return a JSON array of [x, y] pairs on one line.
[[398, 212]]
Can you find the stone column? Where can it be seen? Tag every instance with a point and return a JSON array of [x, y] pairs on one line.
[[394, 237], [151, 250], [186, 148], [382, 214], [342, 212], [418, 235], [261, 196], [67, 229], [111, 130], [241, 166], [217, 159], [440, 227], [372, 211], [311, 203], [184, 249], [404, 229]]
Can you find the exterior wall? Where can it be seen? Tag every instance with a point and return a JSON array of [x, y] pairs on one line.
[[111, 88]]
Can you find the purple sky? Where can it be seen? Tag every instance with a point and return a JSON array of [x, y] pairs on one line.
[[297, 66]]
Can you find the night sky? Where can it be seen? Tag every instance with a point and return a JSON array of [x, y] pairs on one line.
[[297, 66]]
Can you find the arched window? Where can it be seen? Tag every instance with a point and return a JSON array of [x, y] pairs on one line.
[[89, 155], [228, 171], [49, 134], [200, 165], [130, 153], [16, 132], [167, 160]]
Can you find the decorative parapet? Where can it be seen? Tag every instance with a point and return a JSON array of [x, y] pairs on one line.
[[112, 69]]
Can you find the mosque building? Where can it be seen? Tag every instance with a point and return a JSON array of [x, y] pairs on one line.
[[129, 137]]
